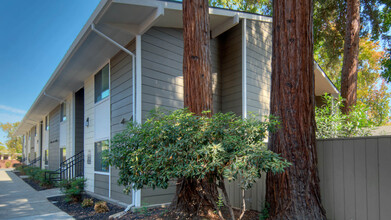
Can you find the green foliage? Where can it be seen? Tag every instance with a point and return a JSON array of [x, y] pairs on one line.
[[73, 189], [332, 123], [263, 7], [13, 143], [182, 145], [7, 164], [265, 212], [87, 203], [220, 202]]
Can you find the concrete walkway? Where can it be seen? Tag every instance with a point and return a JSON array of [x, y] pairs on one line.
[[18, 200]]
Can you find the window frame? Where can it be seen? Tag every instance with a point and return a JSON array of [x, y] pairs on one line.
[[100, 99], [101, 170], [63, 113]]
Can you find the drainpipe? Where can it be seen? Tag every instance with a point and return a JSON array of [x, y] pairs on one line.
[[133, 65], [133, 87]]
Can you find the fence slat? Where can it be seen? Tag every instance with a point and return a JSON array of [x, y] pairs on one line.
[[372, 179], [328, 201], [385, 177], [339, 202], [349, 181], [360, 179]]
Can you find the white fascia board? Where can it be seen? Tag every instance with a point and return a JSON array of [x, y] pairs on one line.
[[325, 76], [178, 6], [221, 28]]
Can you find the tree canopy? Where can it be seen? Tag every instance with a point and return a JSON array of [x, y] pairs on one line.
[[13, 142]]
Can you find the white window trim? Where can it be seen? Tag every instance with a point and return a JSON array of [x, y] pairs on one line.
[[102, 100], [102, 173]]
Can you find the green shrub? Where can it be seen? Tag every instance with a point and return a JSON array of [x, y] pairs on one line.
[[73, 189], [332, 123], [101, 207], [7, 164], [87, 203], [182, 145]]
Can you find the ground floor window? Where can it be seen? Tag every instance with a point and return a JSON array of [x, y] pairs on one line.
[[63, 155], [46, 157], [100, 165]]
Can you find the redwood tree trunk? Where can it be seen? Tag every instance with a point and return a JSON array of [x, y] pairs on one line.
[[350, 56], [294, 194], [196, 56], [194, 197]]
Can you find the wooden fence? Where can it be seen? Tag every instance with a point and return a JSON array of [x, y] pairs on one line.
[[355, 179]]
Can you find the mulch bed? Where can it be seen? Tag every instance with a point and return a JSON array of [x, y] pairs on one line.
[[78, 212], [161, 213]]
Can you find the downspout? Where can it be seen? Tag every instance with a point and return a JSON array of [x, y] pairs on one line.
[[133, 86], [133, 65]]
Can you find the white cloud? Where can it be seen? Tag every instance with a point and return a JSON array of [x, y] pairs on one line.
[[5, 117], [13, 110]]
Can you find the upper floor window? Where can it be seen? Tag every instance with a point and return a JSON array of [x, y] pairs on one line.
[[102, 84], [63, 116], [46, 123]]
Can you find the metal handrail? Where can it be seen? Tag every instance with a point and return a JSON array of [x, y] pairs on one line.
[[69, 169], [33, 162]]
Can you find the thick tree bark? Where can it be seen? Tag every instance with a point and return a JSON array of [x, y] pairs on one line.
[[196, 198], [350, 56], [196, 56], [294, 194]]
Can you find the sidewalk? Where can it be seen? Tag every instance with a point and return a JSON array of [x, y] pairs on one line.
[[19, 201]]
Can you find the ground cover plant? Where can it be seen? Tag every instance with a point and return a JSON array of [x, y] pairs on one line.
[[36, 178], [183, 146], [73, 189]]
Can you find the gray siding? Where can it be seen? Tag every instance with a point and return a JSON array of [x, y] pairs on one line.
[[162, 59], [121, 108], [259, 55], [54, 137], [101, 185], [231, 70]]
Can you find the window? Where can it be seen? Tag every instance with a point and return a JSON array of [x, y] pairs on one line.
[[102, 84], [63, 155], [35, 130], [46, 157], [46, 123], [63, 116], [100, 165]]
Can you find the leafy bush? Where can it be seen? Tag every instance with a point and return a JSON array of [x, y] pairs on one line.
[[182, 145], [101, 207], [73, 189], [332, 123], [7, 164], [87, 203]]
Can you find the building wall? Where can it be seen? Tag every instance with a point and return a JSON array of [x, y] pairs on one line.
[[54, 137], [231, 70], [89, 133], [259, 56], [79, 121], [121, 102]]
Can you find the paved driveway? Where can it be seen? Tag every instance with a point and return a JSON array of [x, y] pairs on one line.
[[19, 201]]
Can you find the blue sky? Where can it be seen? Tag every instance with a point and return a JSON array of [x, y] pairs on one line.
[[35, 36]]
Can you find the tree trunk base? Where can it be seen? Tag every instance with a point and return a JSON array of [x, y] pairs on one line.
[[194, 199]]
